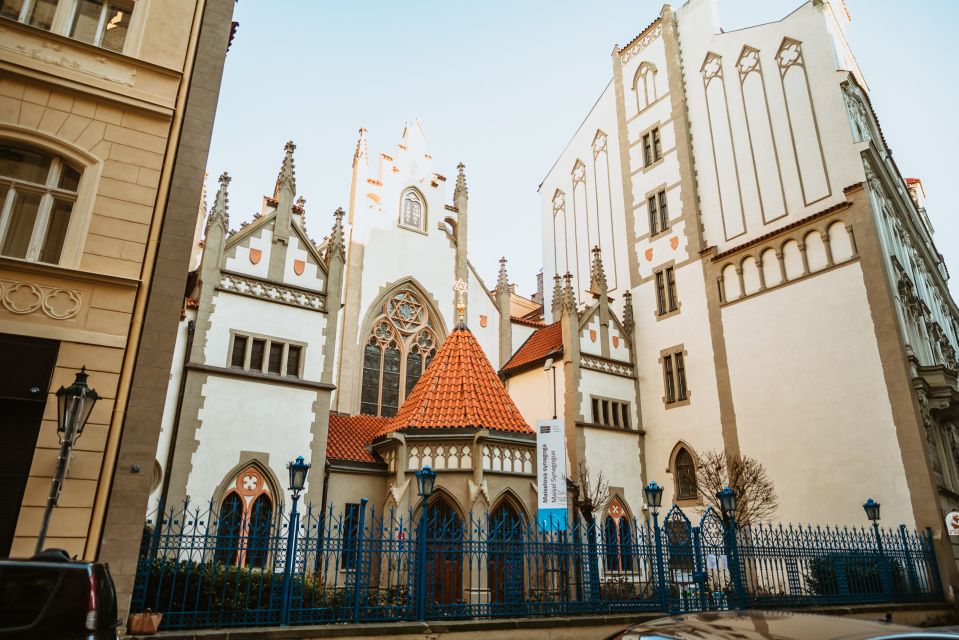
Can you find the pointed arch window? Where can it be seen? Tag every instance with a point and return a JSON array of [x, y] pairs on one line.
[[400, 347], [617, 538], [685, 468], [245, 521], [413, 210], [644, 84]]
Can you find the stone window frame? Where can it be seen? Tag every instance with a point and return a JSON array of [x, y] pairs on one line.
[[654, 131], [620, 407], [424, 214], [269, 341], [641, 70], [617, 547], [662, 269], [90, 171], [673, 470], [660, 194], [671, 373], [65, 15]]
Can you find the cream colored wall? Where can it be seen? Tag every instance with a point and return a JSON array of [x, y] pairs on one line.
[[532, 392], [811, 401], [349, 486]]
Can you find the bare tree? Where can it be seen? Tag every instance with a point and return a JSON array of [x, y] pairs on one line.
[[589, 494], [756, 498]]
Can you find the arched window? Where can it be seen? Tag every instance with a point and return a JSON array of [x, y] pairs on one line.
[[644, 84], [246, 521], [412, 210], [617, 538], [685, 474], [505, 554], [401, 345], [38, 192], [444, 553]]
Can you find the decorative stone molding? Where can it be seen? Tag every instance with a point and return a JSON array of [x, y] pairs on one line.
[[23, 298], [477, 490], [508, 459], [607, 366], [440, 456], [254, 288], [641, 43]]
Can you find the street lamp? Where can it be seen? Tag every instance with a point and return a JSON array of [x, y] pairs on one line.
[[727, 502], [74, 405], [872, 511], [298, 470], [871, 507], [425, 480], [654, 499]]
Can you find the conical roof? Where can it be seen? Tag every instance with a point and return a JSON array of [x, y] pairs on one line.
[[460, 389]]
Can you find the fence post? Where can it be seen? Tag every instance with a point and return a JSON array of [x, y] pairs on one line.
[[933, 563], [911, 579], [421, 565], [660, 564], [288, 565], [699, 573], [735, 569], [357, 560], [885, 571]]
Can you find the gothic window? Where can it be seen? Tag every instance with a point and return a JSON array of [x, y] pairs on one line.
[[413, 210], [617, 538], [685, 475], [644, 85], [245, 521], [401, 345], [37, 193]]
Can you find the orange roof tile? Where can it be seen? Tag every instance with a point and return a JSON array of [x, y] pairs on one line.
[[460, 389], [543, 343], [349, 435]]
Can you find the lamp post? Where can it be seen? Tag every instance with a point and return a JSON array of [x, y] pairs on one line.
[[298, 471], [74, 405], [654, 500], [871, 507], [727, 502], [425, 481]]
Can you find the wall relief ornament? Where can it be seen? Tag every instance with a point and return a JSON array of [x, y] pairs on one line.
[[52, 53], [712, 66], [636, 47], [789, 54], [23, 298], [579, 172], [748, 61], [273, 292], [857, 114], [599, 142]]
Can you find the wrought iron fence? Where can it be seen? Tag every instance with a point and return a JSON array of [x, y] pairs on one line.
[[208, 567]]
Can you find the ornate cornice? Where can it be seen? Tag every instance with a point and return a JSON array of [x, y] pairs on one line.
[[607, 366], [641, 42], [272, 292]]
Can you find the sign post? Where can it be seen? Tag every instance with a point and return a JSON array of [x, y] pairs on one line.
[[551, 514]]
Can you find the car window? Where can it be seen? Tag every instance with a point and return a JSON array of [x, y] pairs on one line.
[[23, 593]]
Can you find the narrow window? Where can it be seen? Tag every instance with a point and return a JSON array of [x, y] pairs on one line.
[[663, 212], [626, 424], [256, 354], [681, 375], [275, 361], [372, 365], [647, 151], [238, 359], [351, 534], [391, 380], [605, 404], [661, 292], [653, 217], [293, 361], [616, 409], [686, 488], [596, 415], [657, 145], [671, 288], [668, 376]]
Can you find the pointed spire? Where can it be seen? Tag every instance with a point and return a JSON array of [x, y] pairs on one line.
[[569, 298], [628, 313], [557, 302], [361, 148], [460, 189], [337, 243], [287, 176], [502, 280], [203, 193], [597, 274], [220, 213]]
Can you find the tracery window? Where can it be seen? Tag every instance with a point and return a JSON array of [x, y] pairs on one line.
[[245, 521], [37, 193], [401, 345], [685, 470], [644, 84], [617, 538], [412, 210]]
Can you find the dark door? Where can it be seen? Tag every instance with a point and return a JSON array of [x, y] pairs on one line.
[[444, 562], [505, 557], [26, 366]]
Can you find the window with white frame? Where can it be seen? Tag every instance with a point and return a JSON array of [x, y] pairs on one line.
[[412, 210], [102, 23], [38, 191], [266, 355]]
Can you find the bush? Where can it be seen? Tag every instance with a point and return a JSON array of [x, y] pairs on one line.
[[862, 573]]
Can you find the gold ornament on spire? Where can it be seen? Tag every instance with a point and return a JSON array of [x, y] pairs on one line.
[[460, 288]]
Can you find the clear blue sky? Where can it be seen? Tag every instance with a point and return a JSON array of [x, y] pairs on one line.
[[501, 86]]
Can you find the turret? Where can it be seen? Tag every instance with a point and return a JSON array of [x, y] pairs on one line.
[[461, 202], [556, 304], [361, 173], [217, 227], [503, 305], [283, 194], [600, 289], [335, 258]]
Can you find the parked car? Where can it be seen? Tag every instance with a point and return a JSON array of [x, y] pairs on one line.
[[782, 625], [52, 596]]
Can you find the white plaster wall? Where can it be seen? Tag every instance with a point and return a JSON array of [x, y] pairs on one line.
[[811, 401], [617, 455], [699, 35], [240, 261], [520, 334], [284, 322], [596, 383], [240, 415], [532, 391], [312, 277]]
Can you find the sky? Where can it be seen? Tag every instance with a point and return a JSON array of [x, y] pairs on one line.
[[502, 86]]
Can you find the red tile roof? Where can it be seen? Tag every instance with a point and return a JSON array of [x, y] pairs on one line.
[[460, 389], [349, 435], [527, 321], [545, 342]]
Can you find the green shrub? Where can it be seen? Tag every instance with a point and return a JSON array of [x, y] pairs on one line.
[[862, 574]]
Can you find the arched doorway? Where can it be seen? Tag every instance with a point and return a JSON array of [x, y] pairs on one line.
[[505, 554], [444, 554]]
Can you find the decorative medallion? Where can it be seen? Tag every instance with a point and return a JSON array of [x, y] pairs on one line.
[[484, 320], [299, 266], [748, 61], [250, 482], [24, 298], [616, 509], [615, 342], [255, 255], [674, 242], [405, 311], [790, 53], [649, 254], [712, 66], [592, 335]]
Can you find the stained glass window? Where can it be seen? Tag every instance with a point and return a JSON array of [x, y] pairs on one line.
[[412, 208]]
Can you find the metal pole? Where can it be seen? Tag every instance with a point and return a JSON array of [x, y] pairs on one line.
[[911, 578], [66, 448], [357, 556], [288, 565], [660, 562], [734, 571], [421, 565], [885, 579]]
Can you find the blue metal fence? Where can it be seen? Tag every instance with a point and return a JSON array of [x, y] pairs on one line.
[[208, 567]]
